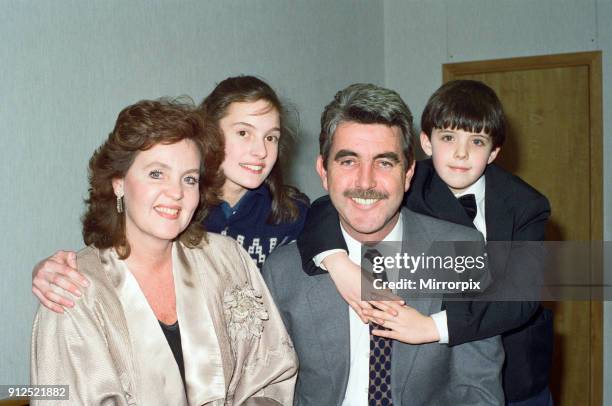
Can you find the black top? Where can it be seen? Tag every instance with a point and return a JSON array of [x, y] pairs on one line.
[[173, 336]]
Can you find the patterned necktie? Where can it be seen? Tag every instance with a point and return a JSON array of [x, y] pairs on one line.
[[379, 388], [469, 205]]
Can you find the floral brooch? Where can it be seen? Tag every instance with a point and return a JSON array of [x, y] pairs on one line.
[[244, 313]]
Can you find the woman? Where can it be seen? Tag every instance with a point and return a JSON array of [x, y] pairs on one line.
[[257, 208], [150, 265]]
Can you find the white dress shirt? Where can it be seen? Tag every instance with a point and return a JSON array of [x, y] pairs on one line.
[[359, 364]]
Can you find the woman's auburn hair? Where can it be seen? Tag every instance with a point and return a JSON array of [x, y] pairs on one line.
[[249, 89], [139, 127]]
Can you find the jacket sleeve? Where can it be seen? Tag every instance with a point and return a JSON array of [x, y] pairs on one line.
[[321, 233], [70, 349], [468, 321], [531, 222], [303, 204], [474, 320], [476, 375], [266, 366]]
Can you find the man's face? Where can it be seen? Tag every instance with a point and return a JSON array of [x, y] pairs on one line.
[[366, 178], [459, 157]]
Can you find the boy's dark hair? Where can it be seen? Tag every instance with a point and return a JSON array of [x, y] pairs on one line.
[[466, 105]]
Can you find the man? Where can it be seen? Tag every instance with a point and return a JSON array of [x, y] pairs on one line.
[[366, 162]]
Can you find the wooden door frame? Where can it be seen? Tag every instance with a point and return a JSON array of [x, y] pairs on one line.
[[591, 60]]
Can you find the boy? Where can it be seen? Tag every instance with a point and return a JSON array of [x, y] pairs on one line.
[[463, 129]]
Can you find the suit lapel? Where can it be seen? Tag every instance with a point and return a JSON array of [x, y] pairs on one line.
[[443, 204], [331, 314], [498, 216], [198, 309], [404, 355], [499, 220]]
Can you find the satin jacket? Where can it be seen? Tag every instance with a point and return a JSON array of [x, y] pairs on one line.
[[110, 349]]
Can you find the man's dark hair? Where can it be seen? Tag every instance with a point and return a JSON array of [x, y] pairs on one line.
[[367, 104]]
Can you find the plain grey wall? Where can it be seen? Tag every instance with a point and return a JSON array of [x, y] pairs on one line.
[[68, 67], [420, 36]]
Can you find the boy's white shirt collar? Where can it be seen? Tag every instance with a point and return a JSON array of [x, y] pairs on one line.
[[478, 190]]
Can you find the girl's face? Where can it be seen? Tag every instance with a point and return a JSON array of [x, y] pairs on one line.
[[252, 132]]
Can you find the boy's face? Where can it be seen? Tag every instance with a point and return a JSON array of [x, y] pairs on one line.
[[459, 157]]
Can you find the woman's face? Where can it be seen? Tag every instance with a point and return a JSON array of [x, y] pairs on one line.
[[160, 192], [252, 132]]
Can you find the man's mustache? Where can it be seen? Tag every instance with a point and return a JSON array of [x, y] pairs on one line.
[[365, 194]]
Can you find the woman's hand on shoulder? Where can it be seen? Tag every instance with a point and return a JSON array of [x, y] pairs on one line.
[[53, 277]]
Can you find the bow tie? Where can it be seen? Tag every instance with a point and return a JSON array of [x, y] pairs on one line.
[[469, 205]]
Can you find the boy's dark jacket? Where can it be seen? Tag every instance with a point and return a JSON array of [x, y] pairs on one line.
[[514, 212]]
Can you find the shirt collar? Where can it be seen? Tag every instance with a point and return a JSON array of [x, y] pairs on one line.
[[354, 246], [477, 189]]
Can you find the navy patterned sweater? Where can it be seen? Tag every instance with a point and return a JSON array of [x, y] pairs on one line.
[[246, 223]]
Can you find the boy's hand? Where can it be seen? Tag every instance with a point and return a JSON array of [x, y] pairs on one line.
[[54, 276], [347, 278], [403, 323]]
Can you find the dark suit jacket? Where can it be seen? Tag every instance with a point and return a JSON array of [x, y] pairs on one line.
[[514, 212], [317, 320]]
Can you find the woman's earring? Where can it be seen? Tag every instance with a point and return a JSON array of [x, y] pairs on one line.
[[119, 204]]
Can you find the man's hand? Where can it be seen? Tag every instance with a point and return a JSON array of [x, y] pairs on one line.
[[53, 277], [403, 323], [347, 278]]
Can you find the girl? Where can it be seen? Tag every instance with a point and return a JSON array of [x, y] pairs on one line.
[[258, 209]]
